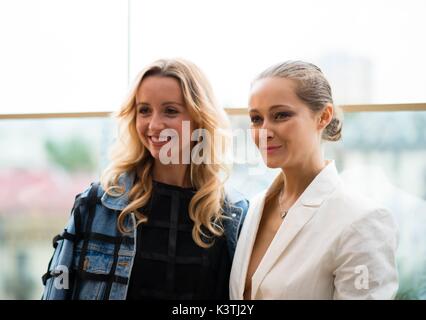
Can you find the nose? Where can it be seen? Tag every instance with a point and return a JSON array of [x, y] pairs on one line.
[[156, 123], [269, 134], [263, 136], [267, 131]]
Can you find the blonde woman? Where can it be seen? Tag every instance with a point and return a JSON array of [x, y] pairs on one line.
[[155, 228], [308, 236]]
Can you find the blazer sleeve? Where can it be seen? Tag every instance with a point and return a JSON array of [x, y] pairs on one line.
[[365, 258]]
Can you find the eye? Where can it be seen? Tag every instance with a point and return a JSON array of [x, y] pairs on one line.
[[282, 115], [256, 120], [144, 110], [171, 111]]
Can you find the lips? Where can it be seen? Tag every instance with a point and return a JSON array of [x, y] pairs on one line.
[[272, 149], [269, 148], [159, 140]]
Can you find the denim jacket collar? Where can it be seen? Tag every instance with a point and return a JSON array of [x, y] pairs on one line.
[[126, 180]]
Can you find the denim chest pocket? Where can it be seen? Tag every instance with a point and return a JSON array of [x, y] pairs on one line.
[[124, 263], [97, 261]]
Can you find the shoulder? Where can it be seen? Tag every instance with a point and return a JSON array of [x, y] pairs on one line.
[[93, 191], [258, 197], [232, 195], [360, 214], [235, 209], [235, 199], [89, 209], [356, 205]]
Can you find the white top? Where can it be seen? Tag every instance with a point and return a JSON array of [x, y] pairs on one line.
[[333, 244]]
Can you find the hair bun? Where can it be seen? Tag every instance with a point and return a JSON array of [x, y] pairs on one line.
[[333, 131]]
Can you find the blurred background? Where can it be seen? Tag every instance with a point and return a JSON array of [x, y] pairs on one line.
[[65, 65]]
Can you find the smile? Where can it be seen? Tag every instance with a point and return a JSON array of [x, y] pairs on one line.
[[159, 141], [272, 149]]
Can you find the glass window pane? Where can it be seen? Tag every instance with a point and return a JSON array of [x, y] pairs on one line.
[[47, 163], [371, 51], [62, 56]]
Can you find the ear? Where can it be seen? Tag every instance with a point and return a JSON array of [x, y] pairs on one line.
[[326, 115]]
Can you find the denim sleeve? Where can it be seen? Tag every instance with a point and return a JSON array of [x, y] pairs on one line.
[[59, 285], [244, 205], [236, 215]]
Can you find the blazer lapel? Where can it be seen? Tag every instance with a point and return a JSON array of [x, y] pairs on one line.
[[291, 226], [298, 216], [246, 242]]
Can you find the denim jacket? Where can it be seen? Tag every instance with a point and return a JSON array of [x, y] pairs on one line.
[[104, 272]]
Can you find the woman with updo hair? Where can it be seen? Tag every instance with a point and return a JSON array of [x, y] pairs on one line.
[[308, 236]]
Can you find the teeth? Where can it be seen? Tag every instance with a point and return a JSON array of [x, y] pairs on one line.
[[157, 139]]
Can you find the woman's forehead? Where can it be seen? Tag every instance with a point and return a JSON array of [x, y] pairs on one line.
[[159, 87], [273, 91]]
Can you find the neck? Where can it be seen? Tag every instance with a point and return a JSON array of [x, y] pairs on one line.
[[173, 174], [297, 179]]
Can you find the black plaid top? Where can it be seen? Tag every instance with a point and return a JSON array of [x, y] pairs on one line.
[[168, 263]]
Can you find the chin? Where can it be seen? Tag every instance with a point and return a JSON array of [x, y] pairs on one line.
[[273, 164], [155, 154]]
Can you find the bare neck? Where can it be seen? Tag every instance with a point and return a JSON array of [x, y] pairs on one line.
[[297, 179]]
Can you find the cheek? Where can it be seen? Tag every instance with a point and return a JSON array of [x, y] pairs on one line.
[[303, 134], [255, 136], [284, 132], [141, 126], [183, 126], [179, 125]]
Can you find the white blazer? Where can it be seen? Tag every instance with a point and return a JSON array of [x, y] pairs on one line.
[[333, 244]]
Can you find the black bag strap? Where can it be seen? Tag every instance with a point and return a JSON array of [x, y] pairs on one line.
[[91, 236], [47, 275], [112, 271]]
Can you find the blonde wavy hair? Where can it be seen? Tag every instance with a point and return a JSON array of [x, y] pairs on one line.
[[129, 155]]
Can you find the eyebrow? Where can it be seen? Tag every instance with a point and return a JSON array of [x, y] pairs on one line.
[[275, 106], [164, 103]]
